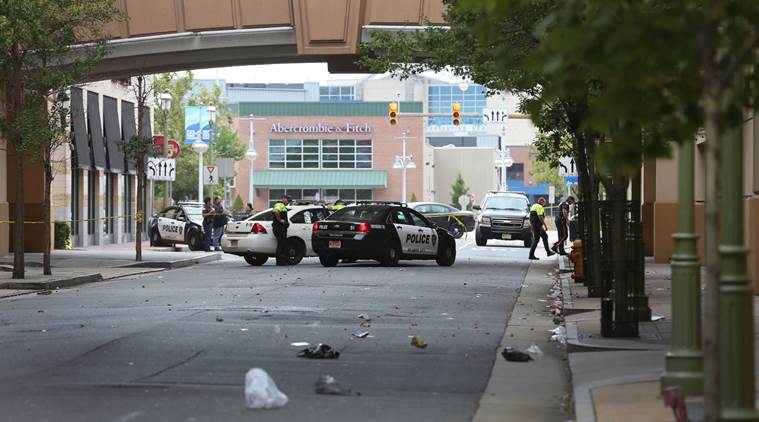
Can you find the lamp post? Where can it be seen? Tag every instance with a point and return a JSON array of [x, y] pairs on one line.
[[200, 147], [505, 162], [251, 155], [166, 106], [404, 162]]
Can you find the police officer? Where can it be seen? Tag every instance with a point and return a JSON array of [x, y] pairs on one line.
[[208, 218], [279, 227], [562, 225], [537, 221], [339, 204]]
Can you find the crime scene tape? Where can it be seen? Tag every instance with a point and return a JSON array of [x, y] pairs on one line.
[[137, 217], [450, 217]]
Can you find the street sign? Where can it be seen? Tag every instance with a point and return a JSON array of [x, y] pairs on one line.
[[210, 175], [567, 167], [160, 168], [174, 148], [226, 167], [551, 194], [495, 116], [196, 125], [463, 201], [573, 179]]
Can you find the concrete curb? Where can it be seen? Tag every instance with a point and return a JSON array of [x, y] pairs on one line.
[[172, 265], [52, 284]]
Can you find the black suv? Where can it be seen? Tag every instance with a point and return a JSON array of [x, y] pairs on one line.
[[503, 215]]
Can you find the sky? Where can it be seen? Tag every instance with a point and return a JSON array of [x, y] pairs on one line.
[[282, 73]]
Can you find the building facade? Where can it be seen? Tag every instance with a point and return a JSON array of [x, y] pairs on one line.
[[327, 151]]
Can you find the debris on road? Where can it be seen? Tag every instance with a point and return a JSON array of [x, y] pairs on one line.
[[45, 292], [300, 344], [327, 384], [261, 392], [514, 355], [559, 334], [219, 318], [417, 341], [365, 324], [534, 349], [363, 316], [319, 351], [658, 318], [360, 334]]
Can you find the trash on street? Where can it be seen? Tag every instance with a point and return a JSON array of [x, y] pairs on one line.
[[514, 355], [417, 341], [261, 392], [319, 351], [327, 384], [534, 349], [219, 318], [300, 344], [360, 334]]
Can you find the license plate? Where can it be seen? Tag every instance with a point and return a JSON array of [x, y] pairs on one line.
[[506, 236], [234, 243], [335, 244]]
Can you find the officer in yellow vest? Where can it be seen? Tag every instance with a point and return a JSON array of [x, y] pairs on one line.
[[537, 221], [279, 227], [339, 204]]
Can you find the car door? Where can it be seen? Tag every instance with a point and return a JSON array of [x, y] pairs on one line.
[[311, 216], [181, 219], [167, 225], [405, 229], [426, 238]]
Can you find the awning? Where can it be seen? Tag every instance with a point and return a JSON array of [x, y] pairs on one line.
[[128, 130], [112, 135], [366, 179], [96, 130], [82, 156]]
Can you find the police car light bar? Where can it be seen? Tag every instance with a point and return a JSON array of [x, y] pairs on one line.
[[401, 204]]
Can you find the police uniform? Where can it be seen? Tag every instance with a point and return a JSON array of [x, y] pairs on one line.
[[562, 227], [537, 211], [280, 232]]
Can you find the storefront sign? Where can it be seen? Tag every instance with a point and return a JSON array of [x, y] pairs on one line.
[[321, 128]]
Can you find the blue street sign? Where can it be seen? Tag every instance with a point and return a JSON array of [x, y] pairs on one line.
[[196, 124], [573, 179]]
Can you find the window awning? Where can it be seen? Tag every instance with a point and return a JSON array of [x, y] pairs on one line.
[[366, 179]]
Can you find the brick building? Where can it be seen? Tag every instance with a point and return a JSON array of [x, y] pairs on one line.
[[327, 151]]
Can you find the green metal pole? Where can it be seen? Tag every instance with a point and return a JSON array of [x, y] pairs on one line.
[[639, 262], [684, 363], [736, 316]]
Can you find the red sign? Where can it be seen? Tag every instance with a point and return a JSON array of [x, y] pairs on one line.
[[174, 148]]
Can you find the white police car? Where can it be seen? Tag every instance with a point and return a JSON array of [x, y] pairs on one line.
[[254, 240], [180, 224], [383, 231]]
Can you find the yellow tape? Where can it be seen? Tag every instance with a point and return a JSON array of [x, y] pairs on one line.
[[84, 220]]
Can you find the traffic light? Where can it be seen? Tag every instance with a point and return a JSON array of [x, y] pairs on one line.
[[456, 113], [392, 113]]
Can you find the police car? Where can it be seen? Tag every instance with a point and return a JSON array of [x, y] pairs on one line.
[[180, 224], [383, 231], [253, 238]]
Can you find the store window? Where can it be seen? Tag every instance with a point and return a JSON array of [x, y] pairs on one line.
[[314, 154], [441, 98], [337, 93], [515, 172]]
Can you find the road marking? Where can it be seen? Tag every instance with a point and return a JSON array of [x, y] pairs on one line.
[[464, 245], [129, 416]]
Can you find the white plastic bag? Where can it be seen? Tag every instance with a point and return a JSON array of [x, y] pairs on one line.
[[261, 392], [534, 350]]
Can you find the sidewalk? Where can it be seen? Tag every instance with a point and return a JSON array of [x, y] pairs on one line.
[[529, 391], [79, 266], [617, 379]]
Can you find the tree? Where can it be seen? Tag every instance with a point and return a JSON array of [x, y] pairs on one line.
[[238, 205], [139, 148], [458, 188], [35, 35], [413, 197], [542, 172]]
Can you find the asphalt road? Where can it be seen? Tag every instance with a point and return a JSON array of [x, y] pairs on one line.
[[151, 348]]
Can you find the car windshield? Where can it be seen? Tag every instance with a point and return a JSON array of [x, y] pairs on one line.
[[359, 214], [194, 214], [510, 203]]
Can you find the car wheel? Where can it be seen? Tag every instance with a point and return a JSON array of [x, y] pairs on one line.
[[392, 255], [256, 260], [456, 230], [479, 239], [194, 241], [446, 256], [155, 238], [328, 261], [295, 251]]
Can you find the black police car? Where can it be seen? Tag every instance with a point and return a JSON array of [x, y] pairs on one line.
[[383, 231], [503, 215], [178, 224]]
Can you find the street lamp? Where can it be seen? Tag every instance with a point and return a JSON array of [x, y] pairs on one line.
[[463, 86], [200, 147], [505, 161], [251, 155], [404, 162], [166, 106]]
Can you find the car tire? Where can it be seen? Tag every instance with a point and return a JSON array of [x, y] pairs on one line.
[[295, 250], [446, 256], [479, 239], [194, 240], [456, 230], [392, 255], [155, 238], [256, 260], [329, 261]]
